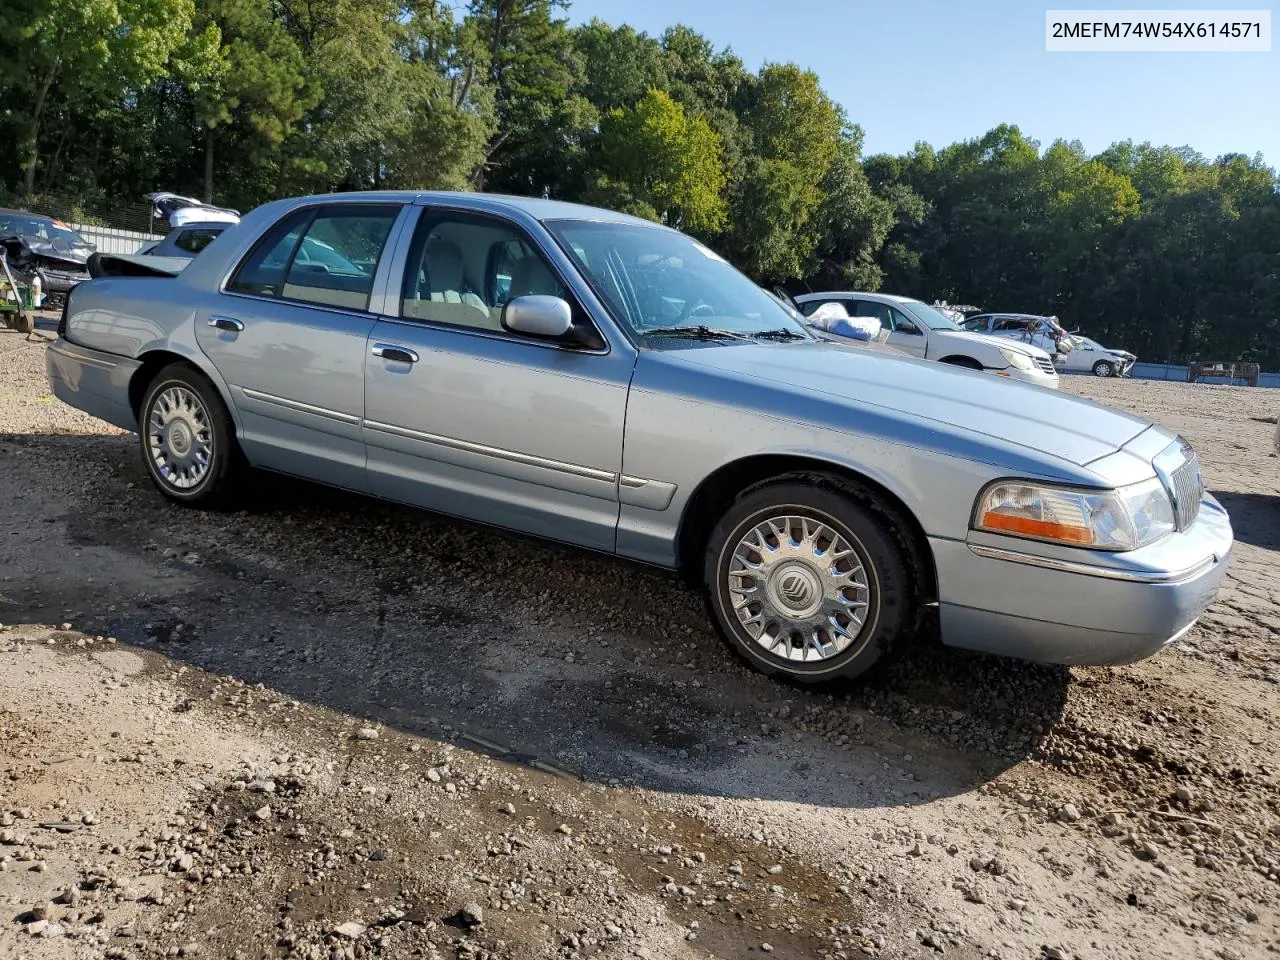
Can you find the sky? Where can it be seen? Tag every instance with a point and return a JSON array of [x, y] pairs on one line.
[[938, 71]]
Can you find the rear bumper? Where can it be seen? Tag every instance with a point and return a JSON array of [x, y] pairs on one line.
[[92, 381], [1045, 609]]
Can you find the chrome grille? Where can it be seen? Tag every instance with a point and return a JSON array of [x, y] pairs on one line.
[[1046, 365], [1179, 469], [1188, 489]]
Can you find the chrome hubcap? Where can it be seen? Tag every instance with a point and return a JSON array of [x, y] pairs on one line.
[[798, 588], [179, 437]]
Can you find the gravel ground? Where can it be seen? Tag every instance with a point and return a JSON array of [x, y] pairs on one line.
[[329, 728]]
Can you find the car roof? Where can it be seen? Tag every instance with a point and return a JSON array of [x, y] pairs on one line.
[[536, 207], [892, 297], [28, 214], [1014, 316]]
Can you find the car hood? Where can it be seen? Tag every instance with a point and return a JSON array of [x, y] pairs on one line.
[[66, 250], [1065, 426], [987, 340]]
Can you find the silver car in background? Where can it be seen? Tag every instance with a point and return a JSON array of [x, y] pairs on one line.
[[606, 382]]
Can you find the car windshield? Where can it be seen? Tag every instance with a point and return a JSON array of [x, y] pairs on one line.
[[931, 318], [11, 225], [657, 281]]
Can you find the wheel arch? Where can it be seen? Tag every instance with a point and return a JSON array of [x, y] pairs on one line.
[[155, 359], [713, 495], [960, 360]]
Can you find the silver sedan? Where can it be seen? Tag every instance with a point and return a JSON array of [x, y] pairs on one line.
[[602, 381]]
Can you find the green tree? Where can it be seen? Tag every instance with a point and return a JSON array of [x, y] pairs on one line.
[[794, 132], [659, 162], [543, 125], [90, 48]]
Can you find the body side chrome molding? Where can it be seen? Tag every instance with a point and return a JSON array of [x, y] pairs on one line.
[[299, 406], [1091, 570], [591, 473]]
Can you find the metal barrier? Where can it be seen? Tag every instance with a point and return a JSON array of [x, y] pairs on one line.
[[1181, 373], [111, 240]]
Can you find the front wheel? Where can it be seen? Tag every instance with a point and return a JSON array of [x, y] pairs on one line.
[[187, 437], [809, 581], [1104, 368]]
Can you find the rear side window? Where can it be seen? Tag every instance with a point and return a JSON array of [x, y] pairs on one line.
[[193, 241], [325, 255], [810, 307], [262, 271]]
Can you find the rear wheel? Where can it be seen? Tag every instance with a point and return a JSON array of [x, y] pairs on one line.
[[187, 437], [809, 581], [1104, 368]]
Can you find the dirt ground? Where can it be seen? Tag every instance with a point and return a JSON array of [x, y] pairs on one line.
[[329, 728]]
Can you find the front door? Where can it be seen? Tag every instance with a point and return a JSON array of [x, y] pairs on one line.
[[464, 417], [288, 336], [904, 333]]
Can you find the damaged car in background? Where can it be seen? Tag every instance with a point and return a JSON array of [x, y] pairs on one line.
[[44, 253]]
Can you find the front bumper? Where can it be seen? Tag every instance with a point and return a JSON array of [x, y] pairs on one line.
[[1125, 364], [1015, 598], [92, 381], [1037, 376]]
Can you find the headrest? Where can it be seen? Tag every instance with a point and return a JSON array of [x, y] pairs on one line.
[[530, 275], [443, 261]]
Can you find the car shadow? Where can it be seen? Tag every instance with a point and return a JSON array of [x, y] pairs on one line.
[[1255, 517], [526, 650]]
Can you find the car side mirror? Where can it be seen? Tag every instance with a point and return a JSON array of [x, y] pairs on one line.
[[538, 315], [550, 318]]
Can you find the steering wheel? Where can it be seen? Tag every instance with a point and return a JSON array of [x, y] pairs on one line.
[[701, 310]]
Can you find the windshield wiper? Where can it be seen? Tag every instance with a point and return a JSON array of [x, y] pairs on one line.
[[780, 334], [696, 333]]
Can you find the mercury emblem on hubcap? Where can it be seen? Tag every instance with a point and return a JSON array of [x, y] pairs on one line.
[[796, 590]]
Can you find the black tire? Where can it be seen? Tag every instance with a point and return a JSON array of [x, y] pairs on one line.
[[967, 362], [893, 592], [1104, 368], [215, 487]]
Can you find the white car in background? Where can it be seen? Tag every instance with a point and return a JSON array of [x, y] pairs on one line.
[[922, 331], [1089, 356], [1071, 352]]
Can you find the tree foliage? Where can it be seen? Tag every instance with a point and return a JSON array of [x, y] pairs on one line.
[[1155, 248]]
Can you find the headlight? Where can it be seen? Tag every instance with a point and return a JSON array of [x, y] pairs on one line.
[[1018, 360], [1122, 519]]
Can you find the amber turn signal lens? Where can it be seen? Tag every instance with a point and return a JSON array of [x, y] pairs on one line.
[[1028, 527]]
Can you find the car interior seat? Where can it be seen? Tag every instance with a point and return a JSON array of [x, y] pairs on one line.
[[442, 292]]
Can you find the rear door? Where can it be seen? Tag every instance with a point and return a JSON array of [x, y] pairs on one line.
[[288, 332]]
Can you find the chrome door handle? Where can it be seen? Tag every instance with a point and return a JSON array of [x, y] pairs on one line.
[[389, 351], [230, 324]]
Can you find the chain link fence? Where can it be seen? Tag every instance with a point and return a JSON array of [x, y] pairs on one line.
[[113, 226]]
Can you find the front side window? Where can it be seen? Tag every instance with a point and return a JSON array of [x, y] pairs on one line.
[[891, 318], [324, 255], [658, 281], [462, 269]]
